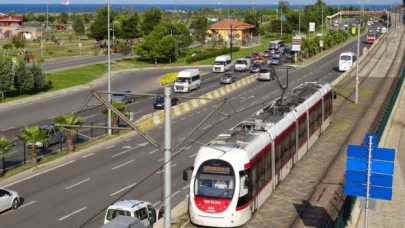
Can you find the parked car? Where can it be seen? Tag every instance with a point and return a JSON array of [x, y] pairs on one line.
[[123, 98], [54, 136], [266, 54], [260, 60], [159, 101], [275, 60], [287, 50], [255, 67], [277, 54], [255, 56], [264, 74], [8, 199], [228, 78]]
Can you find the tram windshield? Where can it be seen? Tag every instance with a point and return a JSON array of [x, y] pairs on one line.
[[215, 180]]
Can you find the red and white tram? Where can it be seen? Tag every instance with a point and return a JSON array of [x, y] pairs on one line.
[[235, 173]]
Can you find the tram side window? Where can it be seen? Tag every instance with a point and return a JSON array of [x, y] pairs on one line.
[[315, 118], [254, 179], [278, 155], [267, 163], [302, 133], [260, 172], [244, 189], [288, 146], [328, 106]]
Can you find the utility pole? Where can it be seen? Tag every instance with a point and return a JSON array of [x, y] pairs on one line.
[[47, 21], [168, 157], [231, 42], [109, 68], [299, 20], [322, 19], [281, 17], [357, 63]]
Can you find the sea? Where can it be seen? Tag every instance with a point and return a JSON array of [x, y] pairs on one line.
[[59, 8]]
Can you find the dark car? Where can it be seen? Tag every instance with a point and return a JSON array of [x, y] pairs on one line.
[[228, 78], [255, 67], [159, 101], [123, 98], [266, 54]]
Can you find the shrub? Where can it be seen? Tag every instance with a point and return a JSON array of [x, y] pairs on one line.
[[210, 54], [69, 50], [168, 78]]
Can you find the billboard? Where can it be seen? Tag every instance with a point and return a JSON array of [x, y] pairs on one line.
[[296, 43], [312, 26]]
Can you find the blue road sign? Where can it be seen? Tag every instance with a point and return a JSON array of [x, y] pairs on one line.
[[283, 18], [381, 170]]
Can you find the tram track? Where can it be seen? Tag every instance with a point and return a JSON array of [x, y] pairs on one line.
[[346, 90]]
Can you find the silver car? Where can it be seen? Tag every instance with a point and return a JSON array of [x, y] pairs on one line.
[[54, 136], [122, 98], [228, 78], [8, 199]]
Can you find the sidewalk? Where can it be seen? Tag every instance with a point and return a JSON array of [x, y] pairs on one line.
[[391, 213]]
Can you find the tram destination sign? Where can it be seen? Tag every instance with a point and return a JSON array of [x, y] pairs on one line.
[[216, 169]]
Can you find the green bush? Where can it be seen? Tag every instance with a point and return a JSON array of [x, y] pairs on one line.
[[210, 54]]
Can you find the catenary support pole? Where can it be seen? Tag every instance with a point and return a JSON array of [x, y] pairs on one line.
[[167, 156], [109, 68], [357, 63]]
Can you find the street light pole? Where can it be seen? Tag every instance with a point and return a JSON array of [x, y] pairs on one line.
[[322, 18], [357, 63], [281, 18], [109, 68], [47, 21], [299, 20], [167, 157]]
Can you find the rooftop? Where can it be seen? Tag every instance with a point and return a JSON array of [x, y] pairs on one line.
[[128, 203], [228, 23]]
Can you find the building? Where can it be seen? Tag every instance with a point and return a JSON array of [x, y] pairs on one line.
[[8, 20], [242, 32], [60, 27], [13, 25]]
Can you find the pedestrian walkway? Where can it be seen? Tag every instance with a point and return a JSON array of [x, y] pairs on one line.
[[391, 213]]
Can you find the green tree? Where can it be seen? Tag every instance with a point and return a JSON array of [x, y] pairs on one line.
[[151, 18], [130, 28], [6, 77], [30, 16], [200, 25], [5, 148], [63, 18], [86, 18], [69, 119], [38, 76], [252, 18], [11, 13], [78, 26], [18, 42], [31, 135], [98, 29], [41, 18], [114, 117], [24, 79]]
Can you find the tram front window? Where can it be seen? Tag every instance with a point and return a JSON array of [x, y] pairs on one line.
[[214, 185]]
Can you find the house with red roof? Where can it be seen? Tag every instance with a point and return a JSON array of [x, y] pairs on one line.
[[240, 31]]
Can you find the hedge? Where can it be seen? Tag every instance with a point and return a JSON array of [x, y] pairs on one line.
[[210, 54]]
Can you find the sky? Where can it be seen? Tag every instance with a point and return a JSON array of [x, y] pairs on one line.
[[231, 2]]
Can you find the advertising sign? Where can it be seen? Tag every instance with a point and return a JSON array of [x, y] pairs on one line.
[[312, 26], [296, 43], [321, 43]]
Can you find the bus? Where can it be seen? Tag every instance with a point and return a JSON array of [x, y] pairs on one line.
[[235, 173], [347, 60], [371, 37]]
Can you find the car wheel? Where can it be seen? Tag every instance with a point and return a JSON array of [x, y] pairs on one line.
[[15, 204]]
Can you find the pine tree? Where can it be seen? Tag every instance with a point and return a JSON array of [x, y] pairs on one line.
[[6, 77], [38, 76], [23, 79]]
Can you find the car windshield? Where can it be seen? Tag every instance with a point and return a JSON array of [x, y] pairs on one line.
[[273, 45], [118, 95], [240, 62], [227, 75], [183, 79], [159, 98], [256, 65], [263, 70], [112, 213], [346, 57], [219, 63], [275, 58]]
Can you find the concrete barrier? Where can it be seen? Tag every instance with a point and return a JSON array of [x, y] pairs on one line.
[[156, 118]]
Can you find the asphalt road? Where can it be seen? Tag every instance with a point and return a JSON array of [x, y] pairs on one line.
[[78, 191]]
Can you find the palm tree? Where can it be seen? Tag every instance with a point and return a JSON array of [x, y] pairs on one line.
[[114, 117], [32, 134], [68, 119], [5, 147]]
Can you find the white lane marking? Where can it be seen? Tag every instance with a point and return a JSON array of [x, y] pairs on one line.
[[265, 97], [8, 128], [81, 182], [13, 152], [188, 147], [175, 193], [215, 106], [153, 151], [129, 140], [130, 186], [159, 172], [109, 147], [183, 118], [125, 151], [137, 112], [253, 103], [212, 86], [160, 127], [205, 110], [154, 205], [27, 204], [274, 92], [45, 171], [126, 163], [193, 155], [51, 117], [191, 115], [101, 124], [181, 139], [186, 187], [89, 116], [206, 127], [174, 122], [198, 112], [85, 156], [67, 216]]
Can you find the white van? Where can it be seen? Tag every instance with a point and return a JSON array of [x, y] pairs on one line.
[[383, 29], [242, 64], [347, 60], [222, 63], [143, 211], [187, 80]]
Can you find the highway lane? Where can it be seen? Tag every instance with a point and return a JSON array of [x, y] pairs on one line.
[[49, 190]]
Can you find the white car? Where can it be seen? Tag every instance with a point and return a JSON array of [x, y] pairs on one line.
[[8, 199], [264, 74]]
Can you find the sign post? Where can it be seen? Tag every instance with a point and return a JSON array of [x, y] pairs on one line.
[[296, 43], [321, 44], [365, 50], [369, 171], [80, 48], [312, 27]]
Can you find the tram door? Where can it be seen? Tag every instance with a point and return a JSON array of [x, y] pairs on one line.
[[254, 185]]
